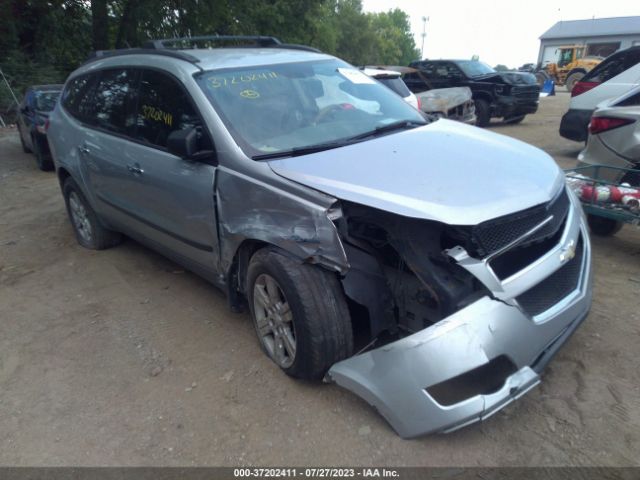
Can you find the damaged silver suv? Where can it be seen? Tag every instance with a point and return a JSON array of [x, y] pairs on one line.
[[430, 267]]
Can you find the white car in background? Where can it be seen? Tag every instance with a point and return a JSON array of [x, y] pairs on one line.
[[616, 75], [393, 80]]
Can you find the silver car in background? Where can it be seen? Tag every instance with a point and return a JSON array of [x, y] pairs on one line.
[[614, 137], [432, 268]]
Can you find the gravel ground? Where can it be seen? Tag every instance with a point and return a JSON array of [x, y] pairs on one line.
[[121, 357]]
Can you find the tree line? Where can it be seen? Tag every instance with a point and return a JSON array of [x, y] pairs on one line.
[[42, 41]]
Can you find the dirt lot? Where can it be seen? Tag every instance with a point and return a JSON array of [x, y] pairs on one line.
[[121, 358]]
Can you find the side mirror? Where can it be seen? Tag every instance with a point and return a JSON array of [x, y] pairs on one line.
[[184, 144]]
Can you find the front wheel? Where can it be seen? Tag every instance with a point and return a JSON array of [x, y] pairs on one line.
[[300, 314], [42, 159], [603, 227], [483, 113], [573, 79], [89, 231]]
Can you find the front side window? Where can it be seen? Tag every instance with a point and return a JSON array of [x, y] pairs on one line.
[[112, 106], [163, 107], [565, 57], [474, 68], [279, 108]]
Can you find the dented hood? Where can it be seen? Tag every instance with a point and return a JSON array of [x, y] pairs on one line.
[[444, 171], [511, 78]]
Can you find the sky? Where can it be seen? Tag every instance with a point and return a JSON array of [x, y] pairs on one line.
[[498, 31]]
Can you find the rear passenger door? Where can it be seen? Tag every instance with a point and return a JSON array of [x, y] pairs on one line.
[[170, 199]]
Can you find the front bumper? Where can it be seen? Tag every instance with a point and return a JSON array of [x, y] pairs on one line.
[[401, 379], [511, 106]]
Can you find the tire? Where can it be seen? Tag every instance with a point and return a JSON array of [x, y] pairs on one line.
[[542, 77], [514, 120], [603, 227], [483, 113], [25, 149], [89, 231], [42, 160], [572, 79], [307, 305]]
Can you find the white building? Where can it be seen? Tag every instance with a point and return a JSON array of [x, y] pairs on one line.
[[602, 36]]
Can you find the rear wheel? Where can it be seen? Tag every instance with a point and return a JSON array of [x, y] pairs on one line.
[[603, 227], [573, 79], [300, 314], [89, 231], [25, 149], [483, 113], [43, 160]]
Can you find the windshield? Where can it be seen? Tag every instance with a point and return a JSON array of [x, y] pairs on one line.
[[473, 68], [45, 101], [280, 108]]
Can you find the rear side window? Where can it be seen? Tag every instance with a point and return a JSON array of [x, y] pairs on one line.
[[76, 97], [395, 84], [428, 69], [613, 66], [112, 106], [632, 101], [163, 106]]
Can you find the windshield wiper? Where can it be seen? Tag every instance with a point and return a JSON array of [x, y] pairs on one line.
[[294, 152], [320, 147], [390, 127]]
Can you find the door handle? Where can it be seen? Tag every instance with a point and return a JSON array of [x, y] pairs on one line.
[[83, 149], [135, 169]]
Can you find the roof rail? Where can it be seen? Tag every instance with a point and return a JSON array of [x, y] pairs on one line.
[[209, 40], [256, 40], [100, 54]]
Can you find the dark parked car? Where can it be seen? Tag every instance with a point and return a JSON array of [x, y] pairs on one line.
[[508, 95], [34, 111]]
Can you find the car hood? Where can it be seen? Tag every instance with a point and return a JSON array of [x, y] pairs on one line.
[[444, 171], [510, 78]]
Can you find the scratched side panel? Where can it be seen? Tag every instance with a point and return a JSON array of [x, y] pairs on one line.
[[250, 207]]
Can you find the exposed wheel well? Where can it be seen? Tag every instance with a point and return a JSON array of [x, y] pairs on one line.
[[63, 174], [238, 272]]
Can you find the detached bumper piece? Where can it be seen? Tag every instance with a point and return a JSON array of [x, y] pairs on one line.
[[468, 366]]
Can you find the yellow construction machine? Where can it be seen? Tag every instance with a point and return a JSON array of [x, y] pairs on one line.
[[571, 66]]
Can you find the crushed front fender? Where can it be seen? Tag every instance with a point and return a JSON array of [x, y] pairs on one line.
[[403, 379]]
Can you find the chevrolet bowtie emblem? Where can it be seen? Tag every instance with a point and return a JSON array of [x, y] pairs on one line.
[[568, 251]]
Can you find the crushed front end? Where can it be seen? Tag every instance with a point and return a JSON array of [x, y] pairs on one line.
[[460, 320]]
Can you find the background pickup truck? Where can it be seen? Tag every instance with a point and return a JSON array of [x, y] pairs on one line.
[[507, 95]]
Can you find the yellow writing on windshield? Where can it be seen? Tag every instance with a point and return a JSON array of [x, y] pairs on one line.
[[217, 82], [157, 115]]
